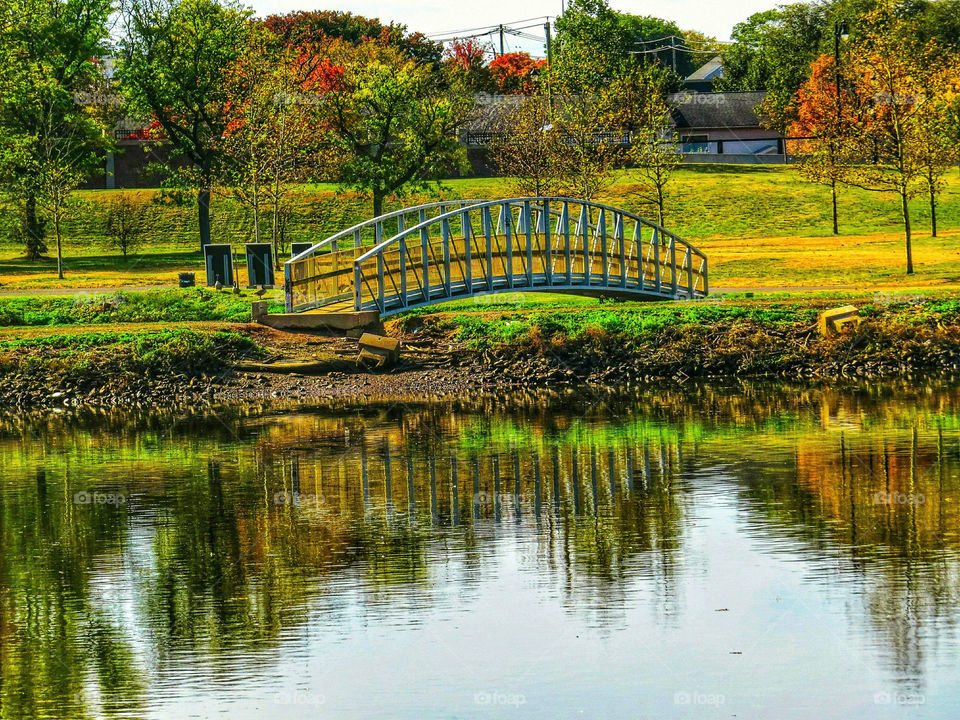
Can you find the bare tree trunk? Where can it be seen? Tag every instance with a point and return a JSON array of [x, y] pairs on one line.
[[377, 203], [274, 226], [203, 210], [905, 207], [256, 210], [33, 228], [56, 220], [660, 204], [933, 209], [836, 223]]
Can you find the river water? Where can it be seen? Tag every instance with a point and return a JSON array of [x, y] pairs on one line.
[[747, 551]]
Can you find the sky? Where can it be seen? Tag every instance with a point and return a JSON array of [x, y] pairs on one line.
[[714, 17]]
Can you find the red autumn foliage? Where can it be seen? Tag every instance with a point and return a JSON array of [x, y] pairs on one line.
[[515, 73]]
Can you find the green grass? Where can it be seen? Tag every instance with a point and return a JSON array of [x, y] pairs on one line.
[[188, 305], [760, 226], [632, 322], [98, 357]]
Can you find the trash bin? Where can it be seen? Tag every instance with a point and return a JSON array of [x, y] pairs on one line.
[[187, 279]]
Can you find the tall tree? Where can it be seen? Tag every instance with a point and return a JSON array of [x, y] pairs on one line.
[[889, 66], [529, 150], [390, 123], [175, 62], [47, 53], [591, 46], [307, 28], [270, 142], [516, 73], [827, 122], [938, 145]]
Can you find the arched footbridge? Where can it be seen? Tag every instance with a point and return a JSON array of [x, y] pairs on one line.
[[442, 251]]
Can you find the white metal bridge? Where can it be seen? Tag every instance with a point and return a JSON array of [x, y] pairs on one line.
[[442, 251]]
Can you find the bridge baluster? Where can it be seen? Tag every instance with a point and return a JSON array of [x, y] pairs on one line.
[[507, 215], [529, 233], [403, 272], [585, 239], [673, 267], [548, 242], [621, 248], [381, 300], [689, 260], [445, 231], [604, 254], [487, 227], [425, 257], [467, 254], [658, 276]]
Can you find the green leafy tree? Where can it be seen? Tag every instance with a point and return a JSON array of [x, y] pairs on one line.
[[773, 51], [48, 140], [304, 29], [390, 124], [125, 223], [659, 41], [175, 62], [271, 141], [591, 46], [529, 150], [653, 152]]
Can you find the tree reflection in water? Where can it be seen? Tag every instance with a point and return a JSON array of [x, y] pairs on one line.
[[233, 532]]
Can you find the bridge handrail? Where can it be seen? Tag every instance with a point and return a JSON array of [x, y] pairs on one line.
[[479, 205], [373, 221]]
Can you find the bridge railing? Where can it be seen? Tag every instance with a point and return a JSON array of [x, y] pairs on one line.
[[527, 244], [323, 274]]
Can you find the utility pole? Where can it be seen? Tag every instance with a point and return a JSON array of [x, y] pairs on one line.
[[501, 40], [673, 52], [546, 30]]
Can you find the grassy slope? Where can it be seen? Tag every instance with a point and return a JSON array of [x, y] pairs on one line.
[[760, 226]]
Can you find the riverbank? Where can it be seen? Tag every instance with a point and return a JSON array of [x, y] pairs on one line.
[[613, 346]]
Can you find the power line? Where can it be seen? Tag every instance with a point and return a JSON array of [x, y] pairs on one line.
[[495, 27]]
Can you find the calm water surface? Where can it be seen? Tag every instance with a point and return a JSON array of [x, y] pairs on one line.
[[748, 552]]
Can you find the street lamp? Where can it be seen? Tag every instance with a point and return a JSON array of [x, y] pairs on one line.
[[841, 31]]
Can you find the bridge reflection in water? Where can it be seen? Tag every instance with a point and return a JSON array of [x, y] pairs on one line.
[[455, 488], [272, 534]]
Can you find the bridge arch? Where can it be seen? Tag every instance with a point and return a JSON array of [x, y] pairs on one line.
[[442, 251]]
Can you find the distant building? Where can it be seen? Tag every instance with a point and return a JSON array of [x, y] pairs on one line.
[[702, 79], [724, 127]]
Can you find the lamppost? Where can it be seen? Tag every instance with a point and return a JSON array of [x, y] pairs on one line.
[[841, 31]]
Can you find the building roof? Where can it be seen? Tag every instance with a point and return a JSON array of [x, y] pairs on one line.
[[708, 71], [716, 110]]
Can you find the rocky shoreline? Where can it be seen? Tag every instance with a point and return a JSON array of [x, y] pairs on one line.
[[249, 364]]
